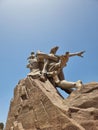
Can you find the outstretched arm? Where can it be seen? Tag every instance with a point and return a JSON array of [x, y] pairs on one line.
[[77, 54]]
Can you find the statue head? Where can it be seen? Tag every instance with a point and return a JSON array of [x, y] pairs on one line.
[[32, 53], [67, 53], [31, 56]]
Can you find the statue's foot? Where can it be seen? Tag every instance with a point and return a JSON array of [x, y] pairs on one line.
[[79, 84]]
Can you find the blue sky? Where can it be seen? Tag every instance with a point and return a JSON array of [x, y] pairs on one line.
[[31, 25]]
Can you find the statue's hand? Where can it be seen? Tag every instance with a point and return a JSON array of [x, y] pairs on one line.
[[81, 53]]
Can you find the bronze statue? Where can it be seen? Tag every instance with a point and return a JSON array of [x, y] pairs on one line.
[[52, 68]]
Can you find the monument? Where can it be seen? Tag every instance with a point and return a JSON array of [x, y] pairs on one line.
[[50, 66], [37, 104]]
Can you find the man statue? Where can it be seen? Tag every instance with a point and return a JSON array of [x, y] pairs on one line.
[[51, 66], [54, 65]]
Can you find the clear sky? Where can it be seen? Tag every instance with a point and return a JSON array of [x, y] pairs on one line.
[[31, 25]]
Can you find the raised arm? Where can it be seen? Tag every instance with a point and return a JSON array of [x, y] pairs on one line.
[[77, 54]]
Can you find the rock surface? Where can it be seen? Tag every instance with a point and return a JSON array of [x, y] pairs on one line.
[[37, 105], [83, 106], [1, 126]]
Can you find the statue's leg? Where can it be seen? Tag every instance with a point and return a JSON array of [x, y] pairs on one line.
[[63, 83], [56, 79], [66, 84]]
